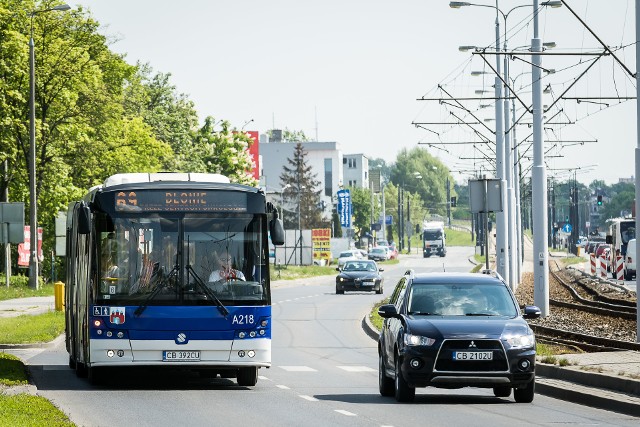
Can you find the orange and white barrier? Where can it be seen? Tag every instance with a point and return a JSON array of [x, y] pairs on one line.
[[595, 263], [619, 268]]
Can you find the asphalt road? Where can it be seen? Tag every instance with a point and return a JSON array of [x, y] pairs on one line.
[[324, 373]]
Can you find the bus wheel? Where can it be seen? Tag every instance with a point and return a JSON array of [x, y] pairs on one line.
[[81, 370], [247, 376], [72, 363], [96, 375]]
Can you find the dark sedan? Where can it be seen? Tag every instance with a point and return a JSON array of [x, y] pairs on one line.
[[453, 330], [360, 275]]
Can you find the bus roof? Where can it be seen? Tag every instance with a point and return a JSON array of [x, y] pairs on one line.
[[131, 178]]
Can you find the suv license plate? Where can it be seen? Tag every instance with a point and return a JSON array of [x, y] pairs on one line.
[[472, 355], [180, 356]]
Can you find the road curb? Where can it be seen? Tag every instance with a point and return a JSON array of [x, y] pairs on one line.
[[49, 344]]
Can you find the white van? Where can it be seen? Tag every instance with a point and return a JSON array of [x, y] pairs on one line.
[[630, 260]]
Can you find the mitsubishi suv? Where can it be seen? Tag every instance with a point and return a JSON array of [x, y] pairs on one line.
[[454, 330]]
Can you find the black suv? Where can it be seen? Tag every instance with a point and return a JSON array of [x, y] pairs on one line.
[[453, 330]]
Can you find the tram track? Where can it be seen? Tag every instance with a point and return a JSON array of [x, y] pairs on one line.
[[581, 315]]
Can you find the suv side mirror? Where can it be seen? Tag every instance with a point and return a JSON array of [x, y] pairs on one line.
[[531, 312], [387, 311]]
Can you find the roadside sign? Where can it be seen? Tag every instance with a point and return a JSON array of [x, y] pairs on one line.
[[567, 228]]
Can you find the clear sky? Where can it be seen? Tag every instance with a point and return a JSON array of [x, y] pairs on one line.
[[351, 71]]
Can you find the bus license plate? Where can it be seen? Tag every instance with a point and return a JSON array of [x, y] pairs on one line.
[[180, 356], [472, 355]]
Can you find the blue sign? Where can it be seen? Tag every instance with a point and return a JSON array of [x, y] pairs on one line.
[[388, 219], [567, 228], [344, 208]]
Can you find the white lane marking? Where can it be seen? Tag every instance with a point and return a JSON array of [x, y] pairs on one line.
[[347, 413], [298, 369], [357, 368], [284, 387], [263, 378], [309, 398]]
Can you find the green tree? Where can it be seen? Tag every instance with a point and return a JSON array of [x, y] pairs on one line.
[[222, 150], [432, 184], [171, 115], [302, 191]]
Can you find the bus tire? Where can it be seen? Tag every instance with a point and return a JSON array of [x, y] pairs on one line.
[[247, 377], [81, 370], [72, 363], [95, 375]]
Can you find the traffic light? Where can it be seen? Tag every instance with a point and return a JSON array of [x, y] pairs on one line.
[[454, 200], [599, 199]]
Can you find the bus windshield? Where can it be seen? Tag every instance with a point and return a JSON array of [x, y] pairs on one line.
[[627, 231], [181, 259]]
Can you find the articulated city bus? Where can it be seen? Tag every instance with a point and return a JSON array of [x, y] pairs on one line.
[[170, 270]]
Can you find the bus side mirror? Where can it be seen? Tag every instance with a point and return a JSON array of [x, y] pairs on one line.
[[609, 240], [84, 223], [277, 231]]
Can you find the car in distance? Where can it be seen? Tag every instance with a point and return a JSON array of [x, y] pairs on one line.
[[362, 275], [379, 253], [350, 255], [454, 330], [393, 251]]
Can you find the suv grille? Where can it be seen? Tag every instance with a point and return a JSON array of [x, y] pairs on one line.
[[445, 361]]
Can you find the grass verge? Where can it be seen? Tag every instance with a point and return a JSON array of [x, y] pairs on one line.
[[31, 329], [19, 288], [24, 409], [28, 410]]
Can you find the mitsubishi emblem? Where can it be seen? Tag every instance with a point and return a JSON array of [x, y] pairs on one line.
[[472, 345]]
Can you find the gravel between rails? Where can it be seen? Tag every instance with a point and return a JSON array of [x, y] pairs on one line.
[[575, 320]]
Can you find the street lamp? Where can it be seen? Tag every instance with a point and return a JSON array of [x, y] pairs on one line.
[[33, 211], [505, 220]]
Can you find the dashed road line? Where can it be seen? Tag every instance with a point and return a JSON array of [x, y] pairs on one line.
[[357, 368], [283, 387], [298, 369], [347, 413], [309, 398]]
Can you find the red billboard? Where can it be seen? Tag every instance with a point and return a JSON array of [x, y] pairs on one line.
[[254, 152], [24, 249]]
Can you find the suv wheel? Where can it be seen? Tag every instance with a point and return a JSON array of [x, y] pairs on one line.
[[525, 395], [385, 384], [403, 392], [502, 391]]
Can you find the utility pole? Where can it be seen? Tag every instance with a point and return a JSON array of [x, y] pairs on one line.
[[539, 179], [448, 203]]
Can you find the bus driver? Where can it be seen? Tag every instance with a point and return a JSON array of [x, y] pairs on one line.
[[224, 270]]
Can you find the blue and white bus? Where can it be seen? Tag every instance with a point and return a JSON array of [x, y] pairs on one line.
[[142, 250]]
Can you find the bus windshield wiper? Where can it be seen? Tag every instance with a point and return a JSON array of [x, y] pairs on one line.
[[161, 283], [212, 296]]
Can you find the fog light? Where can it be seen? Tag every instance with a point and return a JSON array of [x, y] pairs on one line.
[[120, 334], [262, 332], [241, 334], [252, 334], [109, 333], [415, 363], [99, 332], [251, 353], [524, 364], [97, 323], [264, 323], [110, 353]]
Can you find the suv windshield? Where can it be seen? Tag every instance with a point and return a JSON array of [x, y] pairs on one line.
[[169, 259], [461, 300]]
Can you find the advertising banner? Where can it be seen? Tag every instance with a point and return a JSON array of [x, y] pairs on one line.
[[24, 249], [344, 208], [321, 238]]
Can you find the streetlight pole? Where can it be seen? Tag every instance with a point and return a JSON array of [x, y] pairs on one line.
[[539, 176], [33, 209], [637, 153]]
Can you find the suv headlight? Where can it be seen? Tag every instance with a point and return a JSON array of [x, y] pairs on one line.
[[412, 340], [521, 341]]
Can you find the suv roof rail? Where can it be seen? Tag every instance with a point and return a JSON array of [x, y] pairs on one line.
[[410, 272], [492, 273]]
